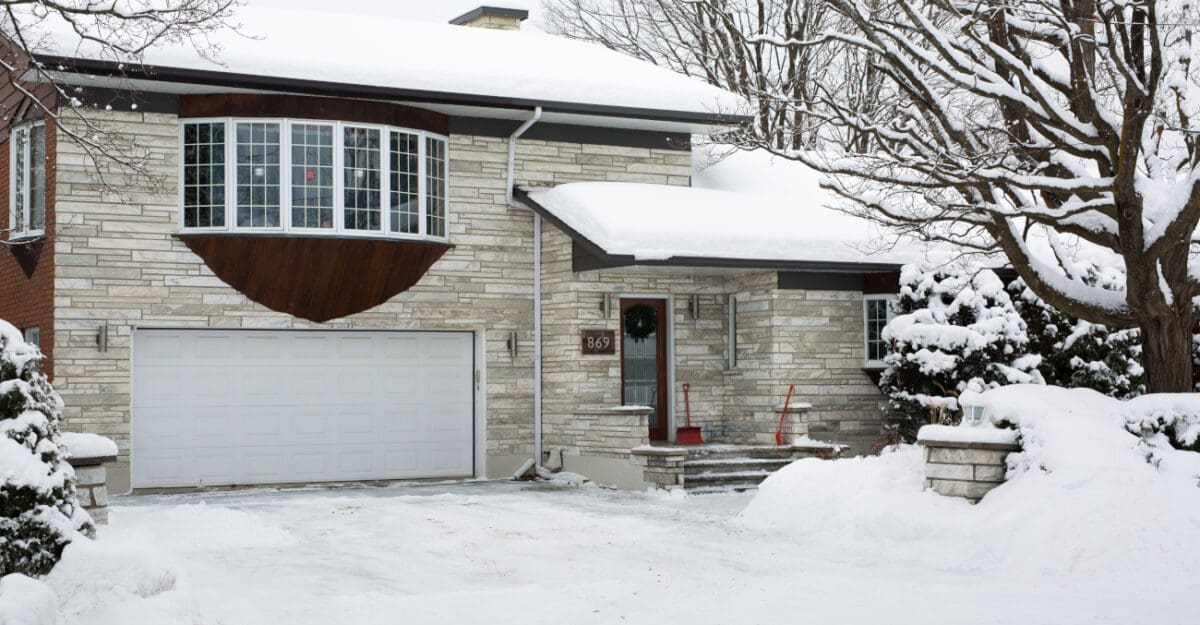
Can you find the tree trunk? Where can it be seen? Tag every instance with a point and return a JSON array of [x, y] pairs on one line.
[[1167, 353]]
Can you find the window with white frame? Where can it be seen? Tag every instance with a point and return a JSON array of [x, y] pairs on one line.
[[877, 311], [27, 180], [321, 177]]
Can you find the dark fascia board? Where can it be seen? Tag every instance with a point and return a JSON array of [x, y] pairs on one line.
[[95, 67], [587, 255], [572, 133], [490, 11]]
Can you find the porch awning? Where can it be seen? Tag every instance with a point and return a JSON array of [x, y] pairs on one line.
[[660, 224]]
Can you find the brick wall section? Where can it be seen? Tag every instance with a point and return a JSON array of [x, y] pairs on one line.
[[27, 301], [118, 264]]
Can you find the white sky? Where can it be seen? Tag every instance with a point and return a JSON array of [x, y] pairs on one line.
[[434, 10]]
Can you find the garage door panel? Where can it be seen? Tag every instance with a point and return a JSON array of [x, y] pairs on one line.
[[246, 407]]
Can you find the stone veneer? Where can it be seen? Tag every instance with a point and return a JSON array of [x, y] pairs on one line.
[[91, 486], [118, 265], [961, 467]]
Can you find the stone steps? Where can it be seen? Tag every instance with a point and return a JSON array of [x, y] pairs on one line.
[[720, 469]]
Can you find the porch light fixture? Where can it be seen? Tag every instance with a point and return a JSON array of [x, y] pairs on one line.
[[694, 307], [606, 305], [974, 415], [102, 338], [512, 345]]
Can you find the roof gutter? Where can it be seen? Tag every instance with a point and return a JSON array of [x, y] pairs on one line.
[[537, 282]]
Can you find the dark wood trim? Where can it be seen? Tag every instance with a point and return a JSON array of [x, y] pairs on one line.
[[662, 396], [882, 283], [334, 109], [815, 281], [570, 133], [588, 256], [103, 98], [96, 67], [489, 11], [316, 278]]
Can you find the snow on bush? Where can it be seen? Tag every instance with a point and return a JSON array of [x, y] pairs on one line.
[[39, 515], [954, 330], [1084, 492], [1079, 354], [953, 333]]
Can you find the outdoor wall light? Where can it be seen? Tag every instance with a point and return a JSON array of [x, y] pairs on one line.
[[606, 305], [694, 307], [974, 415], [512, 344], [102, 338]]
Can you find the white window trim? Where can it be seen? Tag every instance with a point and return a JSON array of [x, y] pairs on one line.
[[866, 307], [27, 232], [285, 180]]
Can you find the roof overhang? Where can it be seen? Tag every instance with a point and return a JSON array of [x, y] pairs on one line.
[[587, 255], [160, 79]]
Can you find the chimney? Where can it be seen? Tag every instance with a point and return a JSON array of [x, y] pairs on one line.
[[499, 18]]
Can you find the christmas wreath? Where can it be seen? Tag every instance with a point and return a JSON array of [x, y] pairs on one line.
[[640, 321]]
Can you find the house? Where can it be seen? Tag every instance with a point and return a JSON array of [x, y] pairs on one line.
[[419, 251]]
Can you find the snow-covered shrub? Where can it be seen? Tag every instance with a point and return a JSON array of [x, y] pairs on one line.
[[953, 330], [39, 515], [1079, 354]]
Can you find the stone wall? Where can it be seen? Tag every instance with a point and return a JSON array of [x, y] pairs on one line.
[[965, 468], [118, 265], [91, 486]]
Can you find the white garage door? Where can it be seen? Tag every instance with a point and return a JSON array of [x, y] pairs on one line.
[[259, 407]]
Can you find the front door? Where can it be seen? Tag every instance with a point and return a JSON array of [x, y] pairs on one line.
[[644, 360]]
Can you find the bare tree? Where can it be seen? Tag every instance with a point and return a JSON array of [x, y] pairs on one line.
[[116, 30], [719, 42], [1065, 126]]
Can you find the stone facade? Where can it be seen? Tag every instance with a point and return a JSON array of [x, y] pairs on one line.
[[118, 267]]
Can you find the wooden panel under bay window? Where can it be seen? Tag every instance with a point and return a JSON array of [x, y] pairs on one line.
[[316, 278]]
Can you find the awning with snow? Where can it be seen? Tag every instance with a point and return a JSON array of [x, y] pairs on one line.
[[618, 224]]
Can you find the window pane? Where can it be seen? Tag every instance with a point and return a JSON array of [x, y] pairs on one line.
[[312, 176], [435, 186], [362, 179], [20, 139], [37, 177], [257, 175], [204, 175], [405, 204]]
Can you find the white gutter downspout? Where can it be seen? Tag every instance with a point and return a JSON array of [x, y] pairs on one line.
[[537, 285]]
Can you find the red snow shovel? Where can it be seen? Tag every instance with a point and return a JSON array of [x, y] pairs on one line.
[[688, 434], [783, 415]]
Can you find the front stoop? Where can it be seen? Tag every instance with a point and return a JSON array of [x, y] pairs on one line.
[[720, 468]]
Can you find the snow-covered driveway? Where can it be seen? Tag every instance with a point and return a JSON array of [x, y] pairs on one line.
[[502, 553]]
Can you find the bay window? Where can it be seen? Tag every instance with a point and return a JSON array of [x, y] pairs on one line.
[[27, 180], [318, 177]]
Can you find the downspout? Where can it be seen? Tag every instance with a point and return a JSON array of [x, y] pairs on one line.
[[537, 284]]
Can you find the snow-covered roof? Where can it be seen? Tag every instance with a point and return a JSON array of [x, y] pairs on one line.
[[747, 206], [517, 68]]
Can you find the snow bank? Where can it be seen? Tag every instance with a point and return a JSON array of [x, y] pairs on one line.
[[26, 601], [1084, 492], [84, 445], [94, 572]]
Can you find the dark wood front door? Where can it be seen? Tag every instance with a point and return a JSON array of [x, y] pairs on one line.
[[644, 360]]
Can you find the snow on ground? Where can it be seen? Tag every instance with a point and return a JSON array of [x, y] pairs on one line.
[[515, 553]]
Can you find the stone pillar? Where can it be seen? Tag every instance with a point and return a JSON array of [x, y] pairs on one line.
[[794, 425], [661, 466], [91, 485], [966, 461]]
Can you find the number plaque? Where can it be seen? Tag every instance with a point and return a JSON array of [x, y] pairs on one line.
[[599, 342]]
